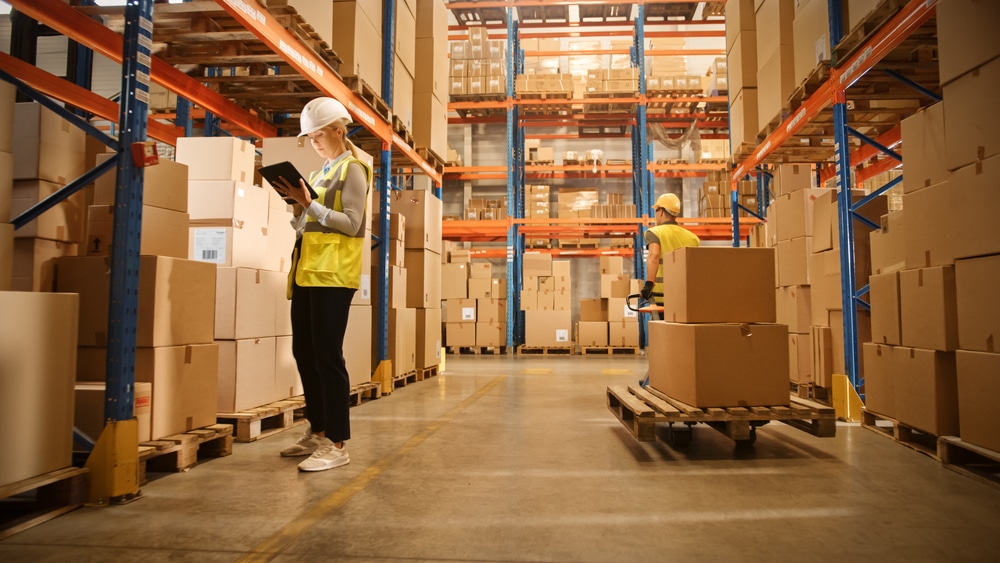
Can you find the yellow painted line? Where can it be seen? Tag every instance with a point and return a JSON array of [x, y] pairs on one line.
[[616, 371], [537, 371], [271, 547]]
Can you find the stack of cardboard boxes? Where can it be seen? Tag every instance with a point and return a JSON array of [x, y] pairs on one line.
[[537, 205], [481, 209], [715, 196], [430, 78], [476, 303], [358, 37], [576, 203], [775, 58], [608, 321], [741, 46], [933, 365], [668, 73], [546, 299], [478, 65], [547, 64]]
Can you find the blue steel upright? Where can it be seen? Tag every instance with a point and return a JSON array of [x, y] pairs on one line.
[[515, 190], [124, 293], [642, 184], [383, 188]]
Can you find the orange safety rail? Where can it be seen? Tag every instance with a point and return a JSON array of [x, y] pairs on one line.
[[883, 165], [887, 38], [866, 152], [59, 88], [80, 28]]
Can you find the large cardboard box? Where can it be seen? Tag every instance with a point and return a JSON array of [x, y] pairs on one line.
[[461, 311], [742, 63], [279, 240], [7, 256], [794, 308], [623, 334], [225, 202], [402, 344], [217, 158], [430, 122], [423, 279], [402, 94], [793, 177], [397, 288], [743, 118], [593, 310], [358, 42], [359, 344], [63, 222], [228, 246], [881, 378], [821, 344], [972, 210], [775, 83], [405, 41], [978, 388], [774, 29], [8, 96], [617, 310], [37, 369], [48, 147], [978, 315], [164, 232], [297, 150], [888, 248], [429, 338], [739, 18], [826, 291], [548, 328], [592, 334], [286, 372], [246, 377], [245, 303], [185, 386], [491, 334], [176, 299], [885, 303], [928, 308], [536, 264], [966, 37], [972, 133], [88, 412], [793, 261], [794, 213], [811, 37], [432, 19], [800, 362], [925, 148], [480, 288], [719, 365], [422, 211], [460, 334], [164, 185], [491, 311], [926, 247], [699, 276], [927, 390], [857, 10], [33, 263]]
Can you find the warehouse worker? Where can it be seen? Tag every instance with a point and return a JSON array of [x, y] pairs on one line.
[[666, 237], [325, 273]]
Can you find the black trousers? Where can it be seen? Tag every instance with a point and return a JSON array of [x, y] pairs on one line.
[[319, 322]]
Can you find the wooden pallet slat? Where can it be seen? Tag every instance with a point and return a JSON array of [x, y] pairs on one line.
[[610, 350], [254, 424], [181, 452], [902, 433], [404, 379], [546, 350], [976, 462], [55, 493]]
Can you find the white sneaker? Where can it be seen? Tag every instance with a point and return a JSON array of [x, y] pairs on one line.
[[326, 456], [306, 445]]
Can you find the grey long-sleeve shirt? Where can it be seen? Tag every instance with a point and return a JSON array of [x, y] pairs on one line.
[[353, 197]]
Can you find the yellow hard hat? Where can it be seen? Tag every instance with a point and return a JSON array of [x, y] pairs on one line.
[[669, 203]]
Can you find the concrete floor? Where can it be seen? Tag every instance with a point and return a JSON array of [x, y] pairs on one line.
[[518, 459]]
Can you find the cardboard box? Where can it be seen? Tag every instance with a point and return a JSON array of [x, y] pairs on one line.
[[33, 263], [7, 256], [548, 328], [217, 158], [923, 135], [794, 212], [491, 311], [794, 308], [428, 338], [481, 270], [700, 275], [63, 222], [164, 185], [185, 386], [928, 308], [406, 40], [228, 246], [978, 388], [719, 365], [774, 27], [793, 177], [176, 299], [775, 83], [536, 264], [430, 119], [880, 378], [593, 310], [821, 343], [358, 42], [739, 18], [245, 303], [88, 412], [885, 303], [461, 311], [246, 377], [793, 261], [743, 62], [432, 19], [978, 310], [6, 184], [624, 334], [927, 399], [743, 118], [286, 372], [971, 132], [460, 334], [811, 37], [8, 96], [38, 354], [888, 249], [359, 345], [48, 147], [423, 279], [225, 203], [402, 344], [614, 285], [279, 240], [611, 265], [454, 281], [297, 150], [491, 335], [618, 311], [826, 291], [499, 290], [973, 200], [402, 94], [423, 218], [800, 362], [592, 334], [926, 247], [164, 232], [966, 37]]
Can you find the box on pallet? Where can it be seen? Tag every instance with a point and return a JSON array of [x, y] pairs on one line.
[[978, 309], [460, 334], [548, 328], [246, 303], [978, 387], [428, 338], [972, 213], [700, 275], [880, 378], [928, 400], [928, 308], [800, 358], [246, 376], [32, 267]]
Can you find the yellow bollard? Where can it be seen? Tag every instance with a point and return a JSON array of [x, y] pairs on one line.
[[114, 463], [846, 401]]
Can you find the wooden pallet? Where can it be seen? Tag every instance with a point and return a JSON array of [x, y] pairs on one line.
[[360, 391], [618, 162], [810, 391], [524, 350], [367, 93], [670, 161], [539, 162], [261, 422], [581, 244], [33, 501], [404, 379], [772, 125], [973, 461], [426, 373], [901, 433], [610, 350], [400, 129], [477, 350], [640, 409], [867, 27], [544, 95], [743, 151], [180, 452], [816, 78], [432, 158]]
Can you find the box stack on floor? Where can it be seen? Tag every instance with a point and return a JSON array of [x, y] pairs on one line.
[[546, 294], [607, 321], [933, 365], [476, 303]]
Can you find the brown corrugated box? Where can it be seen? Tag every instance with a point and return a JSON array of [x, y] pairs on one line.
[[33, 262], [700, 275], [164, 232], [881, 378], [928, 400], [885, 303], [978, 388], [548, 328], [428, 338], [928, 308], [978, 308], [592, 333]]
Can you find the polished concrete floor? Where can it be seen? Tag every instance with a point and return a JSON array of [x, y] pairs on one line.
[[518, 459]]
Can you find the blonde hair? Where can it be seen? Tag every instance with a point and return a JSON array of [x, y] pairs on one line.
[[348, 144]]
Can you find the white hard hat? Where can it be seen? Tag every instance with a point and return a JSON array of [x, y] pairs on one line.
[[319, 113]]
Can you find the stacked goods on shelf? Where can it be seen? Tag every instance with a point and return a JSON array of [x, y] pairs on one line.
[[608, 321], [712, 150], [611, 81], [668, 73], [422, 259], [714, 351], [715, 197], [401, 350], [404, 64], [430, 78], [810, 37], [478, 65], [614, 207], [490, 295], [537, 205], [718, 78], [358, 39], [546, 293], [582, 65], [49, 154], [775, 59], [576, 203], [479, 209], [548, 64], [935, 320], [537, 154], [476, 303], [7, 96], [534, 85], [741, 46]]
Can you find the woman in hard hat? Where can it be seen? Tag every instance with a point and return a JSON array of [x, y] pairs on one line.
[[325, 273], [662, 239]]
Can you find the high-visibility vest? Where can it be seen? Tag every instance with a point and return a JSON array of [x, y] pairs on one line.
[[326, 257], [671, 236]]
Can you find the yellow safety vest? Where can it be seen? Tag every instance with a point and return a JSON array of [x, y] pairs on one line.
[[329, 258], [671, 236]]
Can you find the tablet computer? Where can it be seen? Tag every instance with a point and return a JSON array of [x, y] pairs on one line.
[[286, 170]]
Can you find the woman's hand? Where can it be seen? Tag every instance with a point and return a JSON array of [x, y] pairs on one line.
[[298, 193]]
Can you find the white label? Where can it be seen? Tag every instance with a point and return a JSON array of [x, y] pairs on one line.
[[241, 193], [143, 59], [146, 42], [468, 313], [366, 286], [142, 95], [145, 23], [210, 246], [629, 312], [142, 78], [562, 335]]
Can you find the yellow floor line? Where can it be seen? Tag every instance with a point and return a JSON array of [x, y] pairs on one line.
[[280, 540]]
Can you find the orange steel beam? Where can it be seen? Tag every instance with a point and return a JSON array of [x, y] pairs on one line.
[[883, 165], [468, 5], [649, 53], [889, 139], [61, 89], [78, 27], [898, 28]]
